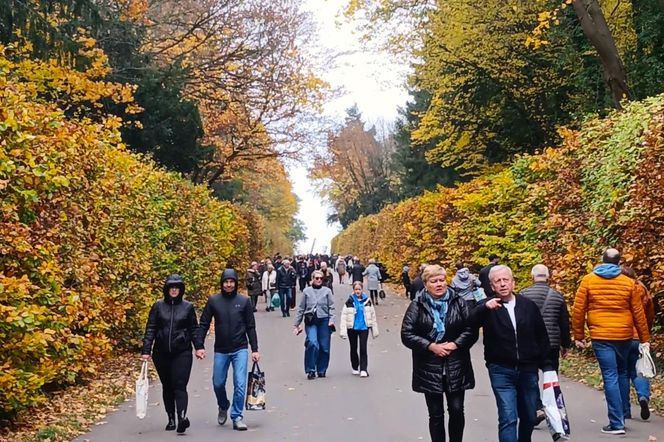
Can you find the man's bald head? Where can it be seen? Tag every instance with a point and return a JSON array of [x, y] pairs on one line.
[[611, 256], [540, 273]]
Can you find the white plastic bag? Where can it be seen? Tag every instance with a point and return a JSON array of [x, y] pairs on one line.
[[554, 406], [142, 385], [645, 366]]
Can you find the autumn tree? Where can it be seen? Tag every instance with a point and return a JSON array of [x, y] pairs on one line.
[[353, 173]]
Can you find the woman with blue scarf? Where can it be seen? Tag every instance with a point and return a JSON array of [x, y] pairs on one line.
[[357, 318], [437, 329]]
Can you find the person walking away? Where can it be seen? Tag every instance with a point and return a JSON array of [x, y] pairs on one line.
[[358, 316], [609, 303], [341, 270], [316, 307], [372, 272], [357, 270], [417, 285], [328, 277], [437, 329], [302, 272], [269, 286], [405, 279], [484, 276], [516, 345], [641, 384], [170, 332], [553, 308], [286, 280], [253, 281], [234, 329], [465, 284]]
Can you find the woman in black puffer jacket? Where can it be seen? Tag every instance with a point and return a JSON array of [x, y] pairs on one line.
[[436, 328], [170, 333]]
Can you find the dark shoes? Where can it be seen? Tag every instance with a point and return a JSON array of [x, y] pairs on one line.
[[645, 409], [311, 375], [321, 375], [608, 429], [183, 424], [222, 417], [171, 423], [239, 425]]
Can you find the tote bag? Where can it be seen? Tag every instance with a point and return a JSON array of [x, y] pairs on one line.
[[255, 389], [554, 407], [142, 385]]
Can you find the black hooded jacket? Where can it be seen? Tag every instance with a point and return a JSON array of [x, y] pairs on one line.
[[429, 370], [172, 326], [234, 323]]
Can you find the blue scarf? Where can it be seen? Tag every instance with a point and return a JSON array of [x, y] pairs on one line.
[[439, 311], [360, 322]]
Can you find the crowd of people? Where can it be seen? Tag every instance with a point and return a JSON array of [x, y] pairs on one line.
[[522, 334]]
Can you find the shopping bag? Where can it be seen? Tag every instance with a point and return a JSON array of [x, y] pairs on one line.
[[645, 366], [479, 294], [554, 407], [142, 385], [255, 389], [276, 301], [381, 294]]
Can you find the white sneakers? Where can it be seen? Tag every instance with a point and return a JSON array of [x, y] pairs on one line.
[[363, 374], [356, 372]]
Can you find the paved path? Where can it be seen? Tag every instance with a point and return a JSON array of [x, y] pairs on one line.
[[343, 407]]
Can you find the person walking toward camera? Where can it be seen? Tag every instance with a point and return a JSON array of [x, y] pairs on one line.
[[437, 329], [234, 329], [358, 317], [316, 308], [516, 345], [269, 286], [170, 332]]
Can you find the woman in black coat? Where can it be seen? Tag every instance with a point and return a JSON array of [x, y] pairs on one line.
[[169, 334], [436, 328]]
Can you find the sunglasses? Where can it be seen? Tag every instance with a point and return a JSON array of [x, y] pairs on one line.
[[317, 277]]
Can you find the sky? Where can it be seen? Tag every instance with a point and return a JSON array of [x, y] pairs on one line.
[[369, 80]]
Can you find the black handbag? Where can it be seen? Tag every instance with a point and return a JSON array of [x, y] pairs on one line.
[[381, 294], [310, 316]]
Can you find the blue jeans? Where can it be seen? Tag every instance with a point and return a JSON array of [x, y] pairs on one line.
[[222, 362], [516, 395], [284, 297], [317, 351], [612, 357], [641, 384]]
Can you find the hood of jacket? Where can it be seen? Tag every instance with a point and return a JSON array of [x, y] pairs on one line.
[[229, 274], [174, 280], [607, 271], [462, 279]]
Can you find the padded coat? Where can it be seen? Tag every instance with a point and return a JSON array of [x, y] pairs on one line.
[[431, 373]]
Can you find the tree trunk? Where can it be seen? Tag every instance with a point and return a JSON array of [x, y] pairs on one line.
[[597, 31]]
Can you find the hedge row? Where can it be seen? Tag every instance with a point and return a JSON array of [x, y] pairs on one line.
[[88, 233], [602, 187]]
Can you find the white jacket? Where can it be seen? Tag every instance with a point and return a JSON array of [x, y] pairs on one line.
[[347, 319], [269, 280]]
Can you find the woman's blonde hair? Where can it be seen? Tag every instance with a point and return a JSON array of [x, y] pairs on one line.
[[356, 283], [432, 270], [317, 273]]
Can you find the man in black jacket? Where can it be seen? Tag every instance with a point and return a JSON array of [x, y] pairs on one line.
[[234, 329], [484, 276], [515, 346], [302, 272], [286, 280]]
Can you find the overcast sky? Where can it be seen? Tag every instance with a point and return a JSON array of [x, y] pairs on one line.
[[371, 82]]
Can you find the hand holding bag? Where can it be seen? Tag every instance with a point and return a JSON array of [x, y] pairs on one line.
[[255, 389], [142, 385], [645, 366]]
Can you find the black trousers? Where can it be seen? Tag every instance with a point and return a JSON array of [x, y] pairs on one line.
[[303, 283], [174, 371], [374, 296], [361, 361], [456, 421]]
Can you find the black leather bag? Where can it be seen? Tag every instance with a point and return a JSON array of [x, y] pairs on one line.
[[310, 316]]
